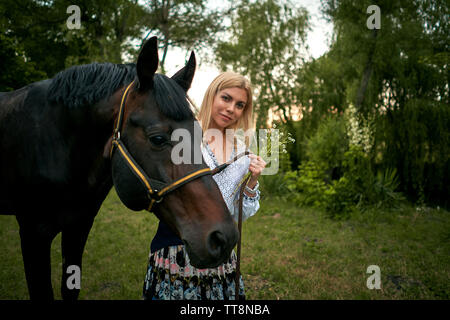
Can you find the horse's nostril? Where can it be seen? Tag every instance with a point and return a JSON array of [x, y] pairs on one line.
[[216, 243]]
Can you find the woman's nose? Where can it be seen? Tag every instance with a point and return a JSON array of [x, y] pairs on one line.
[[230, 107]]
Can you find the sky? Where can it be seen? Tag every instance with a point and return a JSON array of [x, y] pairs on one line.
[[318, 41]]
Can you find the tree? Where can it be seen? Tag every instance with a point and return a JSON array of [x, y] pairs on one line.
[[15, 72], [265, 43], [320, 90], [108, 29], [34, 30], [400, 55], [400, 75], [38, 32], [184, 24]]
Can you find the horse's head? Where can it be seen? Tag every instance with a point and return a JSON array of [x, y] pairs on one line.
[[155, 106]]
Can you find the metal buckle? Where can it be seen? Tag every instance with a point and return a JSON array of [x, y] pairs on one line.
[[156, 197]]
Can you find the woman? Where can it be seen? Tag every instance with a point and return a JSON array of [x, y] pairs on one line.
[[170, 276]]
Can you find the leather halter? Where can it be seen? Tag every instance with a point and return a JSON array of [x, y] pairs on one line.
[[156, 189]]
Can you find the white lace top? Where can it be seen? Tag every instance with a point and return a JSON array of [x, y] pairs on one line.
[[228, 181]]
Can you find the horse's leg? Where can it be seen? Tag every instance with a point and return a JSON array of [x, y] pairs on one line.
[[73, 241], [36, 239]]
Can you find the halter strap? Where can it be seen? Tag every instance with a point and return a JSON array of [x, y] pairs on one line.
[[119, 120], [226, 164], [156, 189]]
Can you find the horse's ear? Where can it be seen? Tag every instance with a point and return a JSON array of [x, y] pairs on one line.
[[184, 76], [147, 64]]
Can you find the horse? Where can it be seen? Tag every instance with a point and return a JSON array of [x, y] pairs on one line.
[[60, 157]]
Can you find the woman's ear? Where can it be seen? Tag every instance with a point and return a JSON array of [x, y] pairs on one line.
[[184, 76], [147, 64]]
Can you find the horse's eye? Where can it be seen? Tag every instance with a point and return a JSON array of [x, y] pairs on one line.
[[158, 140]]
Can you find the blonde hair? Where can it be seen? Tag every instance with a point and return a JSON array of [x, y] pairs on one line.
[[223, 81]]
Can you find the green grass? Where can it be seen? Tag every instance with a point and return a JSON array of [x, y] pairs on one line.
[[288, 253]]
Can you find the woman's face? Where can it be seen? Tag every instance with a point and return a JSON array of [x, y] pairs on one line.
[[228, 106]]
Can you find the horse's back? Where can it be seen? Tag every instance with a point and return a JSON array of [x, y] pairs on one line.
[[18, 110], [30, 152], [15, 100], [9, 101]]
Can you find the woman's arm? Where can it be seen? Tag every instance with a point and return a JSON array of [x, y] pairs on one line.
[[250, 205], [257, 165]]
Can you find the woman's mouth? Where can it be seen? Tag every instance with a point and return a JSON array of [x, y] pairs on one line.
[[226, 118]]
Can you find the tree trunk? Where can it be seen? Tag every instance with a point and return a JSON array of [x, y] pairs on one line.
[[367, 73]]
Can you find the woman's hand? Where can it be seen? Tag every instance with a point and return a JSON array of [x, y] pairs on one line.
[[257, 165]]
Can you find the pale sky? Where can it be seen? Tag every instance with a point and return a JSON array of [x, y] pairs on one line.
[[318, 42]]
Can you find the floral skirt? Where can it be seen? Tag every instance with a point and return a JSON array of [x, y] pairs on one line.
[[170, 276]]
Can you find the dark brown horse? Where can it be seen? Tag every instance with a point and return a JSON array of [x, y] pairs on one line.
[[55, 167]]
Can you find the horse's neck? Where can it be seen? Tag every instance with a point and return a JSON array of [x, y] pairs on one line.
[[105, 112]]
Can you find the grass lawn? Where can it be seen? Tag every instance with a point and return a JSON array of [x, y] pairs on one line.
[[288, 253]]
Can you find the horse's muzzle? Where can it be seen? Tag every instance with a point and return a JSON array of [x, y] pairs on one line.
[[219, 244]]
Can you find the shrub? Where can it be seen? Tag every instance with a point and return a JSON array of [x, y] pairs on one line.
[[358, 186], [327, 146], [307, 184], [275, 184], [416, 141]]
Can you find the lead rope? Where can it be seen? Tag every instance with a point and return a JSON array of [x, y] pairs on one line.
[[241, 198], [238, 260]]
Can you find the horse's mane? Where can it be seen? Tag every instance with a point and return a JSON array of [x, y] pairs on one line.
[[171, 98], [86, 85]]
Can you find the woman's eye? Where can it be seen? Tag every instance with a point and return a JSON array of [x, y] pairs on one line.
[[158, 140], [226, 98]]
